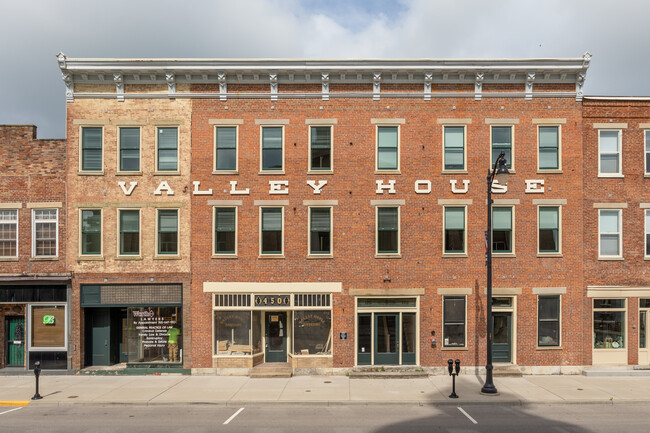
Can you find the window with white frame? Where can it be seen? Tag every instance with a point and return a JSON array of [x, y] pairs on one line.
[[91, 232], [225, 230], [129, 221], [549, 147], [167, 149], [502, 230], [548, 320], [320, 230], [454, 148], [647, 233], [45, 230], [502, 142], [129, 157], [454, 230], [549, 229], [388, 230], [609, 152], [167, 232], [320, 148], [609, 233], [9, 233], [225, 148], [387, 148], [272, 148], [271, 230], [91, 149], [609, 323], [453, 330]]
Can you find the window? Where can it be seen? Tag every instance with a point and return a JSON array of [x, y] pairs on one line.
[[311, 332], [453, 329], [91, 232], [320, 228], [502, 142], [45, 230], [167, 149], [549, 147], [91, 149], [454, 230], [387, 230], [225, 145], [609, 323], [548, 320], [609, 233], [387, 148], [549, 229], [272, 222], [225, 234], [48, 326], [502, 239], [129, 149], [320, 149], [647, 152], [609, 152], [167, 231], [8, 233], [272, 148], [454, 145], [129, 232], [647, 233]]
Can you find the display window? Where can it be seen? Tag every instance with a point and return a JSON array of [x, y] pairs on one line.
[[48, 326], [312, 333], [154, 334]]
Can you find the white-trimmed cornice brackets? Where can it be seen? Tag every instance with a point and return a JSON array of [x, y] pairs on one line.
[[119, 86], [273, 78], [325, 80], [586, 58], [171, 82], [478, 86], [376, 85], [428, 79], [223, 87], [530, 78], [69, 86], [61, 59], [580, 82]]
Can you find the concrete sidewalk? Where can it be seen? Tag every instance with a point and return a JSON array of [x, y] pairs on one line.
[[331, 390]]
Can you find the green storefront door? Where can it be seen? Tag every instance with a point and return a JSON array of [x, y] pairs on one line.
[[386, 339], [502, 341], [15, 337], [276, 337], [99, 327]]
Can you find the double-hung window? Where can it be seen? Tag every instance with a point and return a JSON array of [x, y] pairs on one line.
[[320, 148], [272, 225], [91, 232], [167, 232], [9, 233], [647, 233], [129, 156], [167, 149], [609, 152], [454, 230], [609, 233], [272, 148], [129, 239], [502, 142], [549, 229], [320, 230], [45, 229], [91, 149], [387, 148], [548, 138], [453, 329], [454, 148], [548, 320], [502, 230], [646, 136], [225, 148], [388, 230], [225, 230]]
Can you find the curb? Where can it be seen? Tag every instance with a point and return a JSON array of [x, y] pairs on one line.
[[10, 403]]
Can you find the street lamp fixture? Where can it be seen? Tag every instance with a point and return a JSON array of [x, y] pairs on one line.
[[500, 173]]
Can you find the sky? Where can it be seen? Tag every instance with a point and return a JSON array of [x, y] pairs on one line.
[[32, 32]]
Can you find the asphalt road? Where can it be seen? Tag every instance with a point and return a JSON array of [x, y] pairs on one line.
[[628, 418]]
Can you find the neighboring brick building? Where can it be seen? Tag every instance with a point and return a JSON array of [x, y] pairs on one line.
[[34, 281], [616, 141]]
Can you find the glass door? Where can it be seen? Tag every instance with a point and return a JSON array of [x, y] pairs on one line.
[[386, 338], [644, 355], [276, 337], [502, 337]]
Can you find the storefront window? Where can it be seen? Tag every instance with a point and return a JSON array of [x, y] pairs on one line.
[[312, 332], [154, 334], [232, 333], [609, 323], [257, 331], [48, 326]]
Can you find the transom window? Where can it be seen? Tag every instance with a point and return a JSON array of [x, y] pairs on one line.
[[45, 230], [225, 154], [387, 148], [502, 142], [320, 148], [129, 149], [549, 147], [609, 152], [454, 154], [167, 159], [9, 233]]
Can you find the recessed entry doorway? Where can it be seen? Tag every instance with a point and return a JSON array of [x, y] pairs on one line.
[[276, 336]]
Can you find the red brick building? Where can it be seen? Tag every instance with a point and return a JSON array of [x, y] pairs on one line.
[[34, 279]]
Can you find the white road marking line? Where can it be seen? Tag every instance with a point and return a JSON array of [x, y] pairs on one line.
[[10, 410], [467, 415], [232, 417]]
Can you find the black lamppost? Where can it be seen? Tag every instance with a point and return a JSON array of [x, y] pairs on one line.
[[500, 172]]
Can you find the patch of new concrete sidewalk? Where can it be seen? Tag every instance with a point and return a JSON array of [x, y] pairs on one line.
[[331, 390]]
